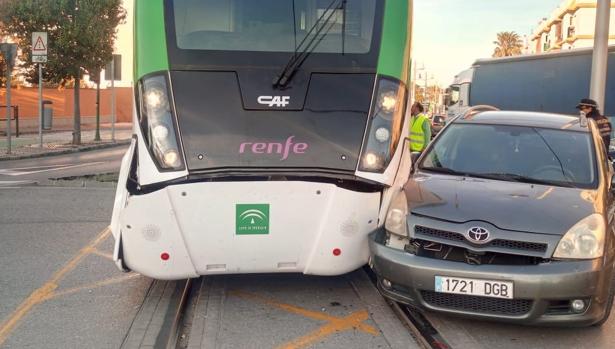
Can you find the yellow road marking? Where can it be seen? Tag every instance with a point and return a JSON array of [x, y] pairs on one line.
[[287, 307], [93, 285], [14, 319], [333, 325], [354, 320], [102, 254]]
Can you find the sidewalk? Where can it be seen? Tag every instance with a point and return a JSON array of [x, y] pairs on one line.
[[55, 143]]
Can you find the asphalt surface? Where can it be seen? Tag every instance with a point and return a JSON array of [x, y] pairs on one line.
[[462, 333], [42, 170], [58, 288]]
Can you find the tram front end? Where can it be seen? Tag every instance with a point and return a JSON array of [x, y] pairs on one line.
[[268, 136]]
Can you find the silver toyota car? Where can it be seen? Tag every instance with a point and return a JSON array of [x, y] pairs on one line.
[[506, 216]]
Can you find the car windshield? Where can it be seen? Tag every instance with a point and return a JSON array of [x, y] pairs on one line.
[[515, 153], [273, 25]]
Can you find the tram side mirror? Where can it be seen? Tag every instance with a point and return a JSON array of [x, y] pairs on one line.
[[414, 156]]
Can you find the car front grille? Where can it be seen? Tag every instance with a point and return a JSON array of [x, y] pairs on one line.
[[519, 245], [442, 234], [500, 243], [434, 250], [477, 304]]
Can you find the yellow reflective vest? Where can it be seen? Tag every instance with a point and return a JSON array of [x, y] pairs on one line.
[[417, 135]]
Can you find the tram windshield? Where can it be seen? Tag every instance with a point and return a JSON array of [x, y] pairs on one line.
[[273, 25]]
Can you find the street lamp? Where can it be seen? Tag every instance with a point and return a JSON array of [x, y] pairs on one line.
[[601, 53], [427, 77]]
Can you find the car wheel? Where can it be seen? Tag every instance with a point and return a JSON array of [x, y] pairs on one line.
[[609, 304]]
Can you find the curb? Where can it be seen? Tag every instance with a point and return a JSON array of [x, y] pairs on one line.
[[66, 151]]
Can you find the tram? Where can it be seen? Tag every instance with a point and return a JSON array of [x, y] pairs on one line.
[[268, 135]]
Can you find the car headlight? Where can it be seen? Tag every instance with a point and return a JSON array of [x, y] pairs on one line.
[[585, 240], [395, 222]]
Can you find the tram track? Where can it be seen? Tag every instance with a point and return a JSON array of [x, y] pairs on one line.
[[422, 330], [419, 326], [162, 316], [165, 318]]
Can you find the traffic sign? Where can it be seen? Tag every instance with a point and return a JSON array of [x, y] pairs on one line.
[[9, 51], [39, 59], [39, 47]]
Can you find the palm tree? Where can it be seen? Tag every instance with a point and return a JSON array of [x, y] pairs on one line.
[[508, 44]]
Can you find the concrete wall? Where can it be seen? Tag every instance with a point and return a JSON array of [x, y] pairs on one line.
[[27, 100]]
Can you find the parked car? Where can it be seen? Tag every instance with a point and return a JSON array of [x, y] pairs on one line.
[[507, 216]]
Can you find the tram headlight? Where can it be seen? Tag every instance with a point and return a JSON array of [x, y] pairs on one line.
[[160, 132], [386, 119], [382, 134], [156, 99], [157, 122], [372, 161], [397, 214], [171, 158], [388, 101]]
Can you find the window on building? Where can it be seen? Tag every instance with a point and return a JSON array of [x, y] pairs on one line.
[[571, 30], [117, 64]]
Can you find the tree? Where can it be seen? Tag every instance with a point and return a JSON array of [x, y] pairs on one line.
[[81, 34], [2, 71], [95, 76], [508, 44]]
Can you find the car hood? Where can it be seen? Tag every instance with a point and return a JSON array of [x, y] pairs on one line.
[[507, 205]]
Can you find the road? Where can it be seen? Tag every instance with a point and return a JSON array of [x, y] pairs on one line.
[[58, 286], [41, 170], [60, 289]]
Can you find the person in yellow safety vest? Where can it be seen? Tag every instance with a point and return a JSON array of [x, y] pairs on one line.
[[420, 128]]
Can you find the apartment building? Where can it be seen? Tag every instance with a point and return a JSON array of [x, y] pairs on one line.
[[569, 26]]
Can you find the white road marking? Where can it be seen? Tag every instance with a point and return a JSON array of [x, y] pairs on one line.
[[39, 169], [15, 184]]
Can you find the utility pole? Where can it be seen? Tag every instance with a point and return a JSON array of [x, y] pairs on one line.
[[113, 99], [426, 90], [8, 108], [601, 54], [413, 84], [40, 105], [39, 55]]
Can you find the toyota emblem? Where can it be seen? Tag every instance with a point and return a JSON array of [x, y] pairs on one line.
[[478, 235]]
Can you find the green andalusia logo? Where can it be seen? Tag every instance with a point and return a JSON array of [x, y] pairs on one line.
[[252, 219]]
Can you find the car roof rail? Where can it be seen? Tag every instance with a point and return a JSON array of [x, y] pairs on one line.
[[468, 114]]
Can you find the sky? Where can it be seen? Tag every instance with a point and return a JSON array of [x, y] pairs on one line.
[[449, 35]]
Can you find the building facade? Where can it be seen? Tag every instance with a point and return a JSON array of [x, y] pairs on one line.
[[571, 25], [123, 51]]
